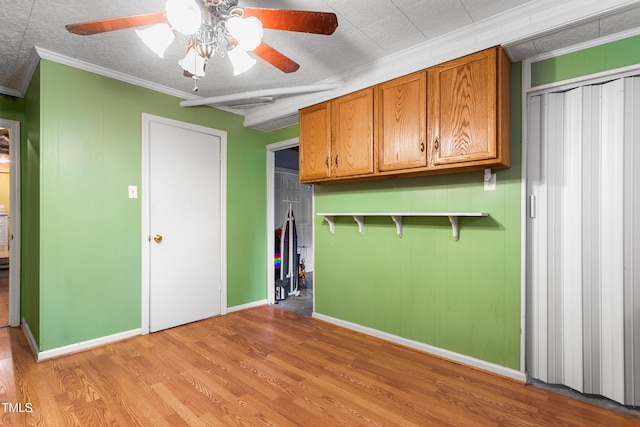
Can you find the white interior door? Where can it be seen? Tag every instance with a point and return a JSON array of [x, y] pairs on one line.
[[185, 227]]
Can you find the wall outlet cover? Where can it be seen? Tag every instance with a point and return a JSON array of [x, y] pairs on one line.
[[489, 180]]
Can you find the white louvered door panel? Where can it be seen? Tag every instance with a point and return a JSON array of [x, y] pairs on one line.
[[583, 300]]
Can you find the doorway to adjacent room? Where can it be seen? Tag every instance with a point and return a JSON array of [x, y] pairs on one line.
[[9, 223], [290, 225], [5, 192]]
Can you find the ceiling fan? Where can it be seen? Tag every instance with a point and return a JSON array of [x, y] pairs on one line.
[[216, 27]]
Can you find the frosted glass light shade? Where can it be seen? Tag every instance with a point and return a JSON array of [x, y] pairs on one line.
[[184, 16], [240, 60], [193, 63], [157, 38], [247, 31]]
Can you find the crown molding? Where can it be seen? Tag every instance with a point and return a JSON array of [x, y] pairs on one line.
[[85, 66], [508, 28], [511, 27]]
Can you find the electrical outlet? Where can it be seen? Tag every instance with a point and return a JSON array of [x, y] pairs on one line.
[[489, 180], [133, 192]]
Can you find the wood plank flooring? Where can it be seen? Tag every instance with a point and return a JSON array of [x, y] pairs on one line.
[[4, 298], [266, 366]]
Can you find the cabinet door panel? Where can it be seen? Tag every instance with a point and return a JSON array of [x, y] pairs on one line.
[[352, 133], [463, 111], [315, 142], [402, 115]]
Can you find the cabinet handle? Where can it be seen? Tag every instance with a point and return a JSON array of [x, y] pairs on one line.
[[326, 162], [336, 160], [422, 146], [435, 143]]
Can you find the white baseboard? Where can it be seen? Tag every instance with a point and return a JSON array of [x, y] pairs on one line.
[[248, 305], [447, 354], [72, 348]]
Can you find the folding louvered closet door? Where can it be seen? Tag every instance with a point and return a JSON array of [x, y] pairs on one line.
[[583, 239]]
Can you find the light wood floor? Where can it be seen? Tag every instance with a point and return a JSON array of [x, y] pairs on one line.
[[4, 298], [267, 366]]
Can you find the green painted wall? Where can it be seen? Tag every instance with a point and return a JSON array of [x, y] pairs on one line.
[[30, 208], [246, 216], [605, 57], [89, 151], [11, 108], [462, 296], [81, 250]]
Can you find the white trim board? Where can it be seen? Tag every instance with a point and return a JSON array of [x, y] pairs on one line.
[[74, 348], [522, 23], [509, 28], [436, 351], [247, 306], [106, 72]]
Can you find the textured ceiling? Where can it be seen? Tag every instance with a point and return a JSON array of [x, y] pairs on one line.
[[368, 31]]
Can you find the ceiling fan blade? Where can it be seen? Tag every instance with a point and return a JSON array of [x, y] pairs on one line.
[[105, 25], [275, 58], [295, 20]]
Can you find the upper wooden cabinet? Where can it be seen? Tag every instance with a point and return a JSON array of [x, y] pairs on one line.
[[448, 118], [315, 142], [352, 134], [468, 110], [402, 122], [336, 138]]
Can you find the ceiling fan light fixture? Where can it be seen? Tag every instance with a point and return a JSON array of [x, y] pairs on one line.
[[193, 63], [240, 60], [247, 31], [216, 27], [184, 16], [157, 38]]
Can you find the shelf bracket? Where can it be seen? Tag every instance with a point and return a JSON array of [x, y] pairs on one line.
[[360, 220], [454, 226], [329, 219], [397, 219]]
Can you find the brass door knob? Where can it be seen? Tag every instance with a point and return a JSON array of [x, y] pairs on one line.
[[158, 238]]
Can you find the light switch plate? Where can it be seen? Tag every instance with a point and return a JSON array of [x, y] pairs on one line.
[[133, 191]]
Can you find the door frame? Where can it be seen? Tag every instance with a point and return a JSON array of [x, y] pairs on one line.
[[147, 119], [271, 241], [14, 215]]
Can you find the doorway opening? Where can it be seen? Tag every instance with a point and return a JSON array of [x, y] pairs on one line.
[[5, 197], [9, 223], [290, 225]]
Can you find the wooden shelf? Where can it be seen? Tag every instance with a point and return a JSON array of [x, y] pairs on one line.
[[396, 217]]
